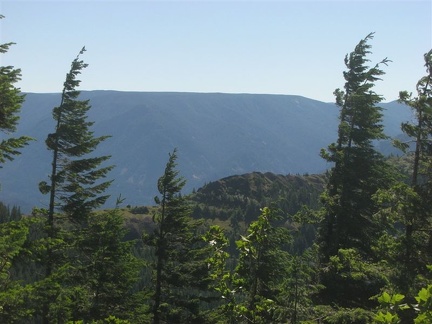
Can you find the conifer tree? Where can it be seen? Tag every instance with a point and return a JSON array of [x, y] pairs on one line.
[[106, 268], [11, 100], [13, 231], [408, 204], [418, 220], [348, 226], [13, 294], [359, 170], [180, 268], [75, 187]]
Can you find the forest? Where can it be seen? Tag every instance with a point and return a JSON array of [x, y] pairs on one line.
[[353, 245]]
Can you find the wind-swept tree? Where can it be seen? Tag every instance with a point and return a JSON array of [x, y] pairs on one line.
[[11, 100], [76, 186], [358, 172]]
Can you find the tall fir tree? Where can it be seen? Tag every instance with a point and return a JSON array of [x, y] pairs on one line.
[[180, 270], [359, 171], [75, 187], [13, 230], [11, 100]]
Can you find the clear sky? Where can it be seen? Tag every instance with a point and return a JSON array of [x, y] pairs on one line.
[[274, 47]]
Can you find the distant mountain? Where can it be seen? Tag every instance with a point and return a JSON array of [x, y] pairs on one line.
[[217, 135]]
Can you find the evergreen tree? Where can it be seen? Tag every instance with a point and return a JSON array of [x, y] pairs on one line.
[[106, 268], [13, 231], [10, 106], [14, 296], [180, 269], [418, 218], [75, 187], [359, 171], [408, 204]]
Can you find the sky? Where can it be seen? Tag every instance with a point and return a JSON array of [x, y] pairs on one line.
[[271, 47]]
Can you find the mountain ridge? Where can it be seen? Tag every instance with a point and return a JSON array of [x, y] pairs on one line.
[[216, 134]]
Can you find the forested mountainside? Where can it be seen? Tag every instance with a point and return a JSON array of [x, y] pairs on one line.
[[236, 201], [243, 196], [217, 135]]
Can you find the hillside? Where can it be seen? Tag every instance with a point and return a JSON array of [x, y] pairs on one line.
[[236, 200], [217, 135], [243, 196]]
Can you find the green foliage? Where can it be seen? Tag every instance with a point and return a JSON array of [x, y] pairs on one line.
[[75, 189], [223, 281], [349, 274], [392, 303], [299, 288], [74, 186], [245, 195], [392, 307], [108, 320], [106, 270], [250, 292], [10, 106], [261, 267], [14, 296], [405, 207], [358, 169], [424, 304], [342, 315], [349, 229], [180, 259]]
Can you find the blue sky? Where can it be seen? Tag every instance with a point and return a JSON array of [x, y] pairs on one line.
[[275, 47]]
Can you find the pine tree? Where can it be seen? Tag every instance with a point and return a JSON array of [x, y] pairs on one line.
[[75, 187], [10, 106], [180, 269], [348, 225]]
